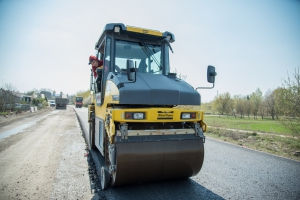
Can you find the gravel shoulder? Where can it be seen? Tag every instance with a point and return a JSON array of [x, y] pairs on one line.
[[46, 160], [12, 118]]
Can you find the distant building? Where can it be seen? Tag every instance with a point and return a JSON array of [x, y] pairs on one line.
[[10, 97], [26, 98]]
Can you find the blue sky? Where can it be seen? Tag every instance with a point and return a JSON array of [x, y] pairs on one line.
[[252, 43]]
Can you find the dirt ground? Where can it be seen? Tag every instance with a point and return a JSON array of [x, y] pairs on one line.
[[46, 160], [11, 118]]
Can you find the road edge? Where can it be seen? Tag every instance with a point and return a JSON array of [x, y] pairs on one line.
[[92, 154]]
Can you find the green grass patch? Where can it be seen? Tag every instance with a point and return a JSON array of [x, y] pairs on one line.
[[256, 125], [3, 113], [264, 135], [269, 143]]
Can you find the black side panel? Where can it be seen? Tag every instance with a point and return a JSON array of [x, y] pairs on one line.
[[154, 89]]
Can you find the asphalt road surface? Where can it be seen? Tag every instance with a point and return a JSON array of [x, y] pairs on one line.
[[228, 172], [42, 157]]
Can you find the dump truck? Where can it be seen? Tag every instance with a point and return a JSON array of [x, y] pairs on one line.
[[61, 103], [136, 123], [78, 102]]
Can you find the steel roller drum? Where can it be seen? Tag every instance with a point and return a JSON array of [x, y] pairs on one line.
[[157, 160]]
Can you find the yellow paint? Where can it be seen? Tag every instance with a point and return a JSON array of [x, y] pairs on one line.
[[156, 115], [144, 31], [203, 125], [102, 111]]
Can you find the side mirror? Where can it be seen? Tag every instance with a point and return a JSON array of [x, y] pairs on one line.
[[211, 73], [131, 72]]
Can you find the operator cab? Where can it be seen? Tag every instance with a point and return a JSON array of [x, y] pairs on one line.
[[147, 49], [136, 60]]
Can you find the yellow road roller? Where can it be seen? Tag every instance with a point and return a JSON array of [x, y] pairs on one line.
[[135, 121]]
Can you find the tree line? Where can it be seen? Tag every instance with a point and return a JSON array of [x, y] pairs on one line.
[[282, 103]]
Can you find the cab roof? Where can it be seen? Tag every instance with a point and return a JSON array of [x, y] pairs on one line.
[[121, 28]]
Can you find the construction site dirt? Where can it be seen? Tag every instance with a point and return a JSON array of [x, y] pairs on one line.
[[42, 156]]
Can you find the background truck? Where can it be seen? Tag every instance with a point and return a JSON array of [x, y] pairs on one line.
[[78, 102], [51, 103], [61, 103], [135, 125]]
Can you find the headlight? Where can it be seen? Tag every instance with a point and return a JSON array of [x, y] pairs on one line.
[[138, 115], [134, 115], [188, 115]]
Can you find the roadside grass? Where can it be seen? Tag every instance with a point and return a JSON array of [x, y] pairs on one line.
[[3, 113], [265, 135], [257, 125], [288, 147]]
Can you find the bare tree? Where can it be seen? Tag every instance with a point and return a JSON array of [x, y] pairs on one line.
[[33, 91], [291, 103], [223, 103], [248, 106], [207, 107], [235, 102], [256, 99], [262, 108], [270, 103], [240, 105], [280, 101]]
